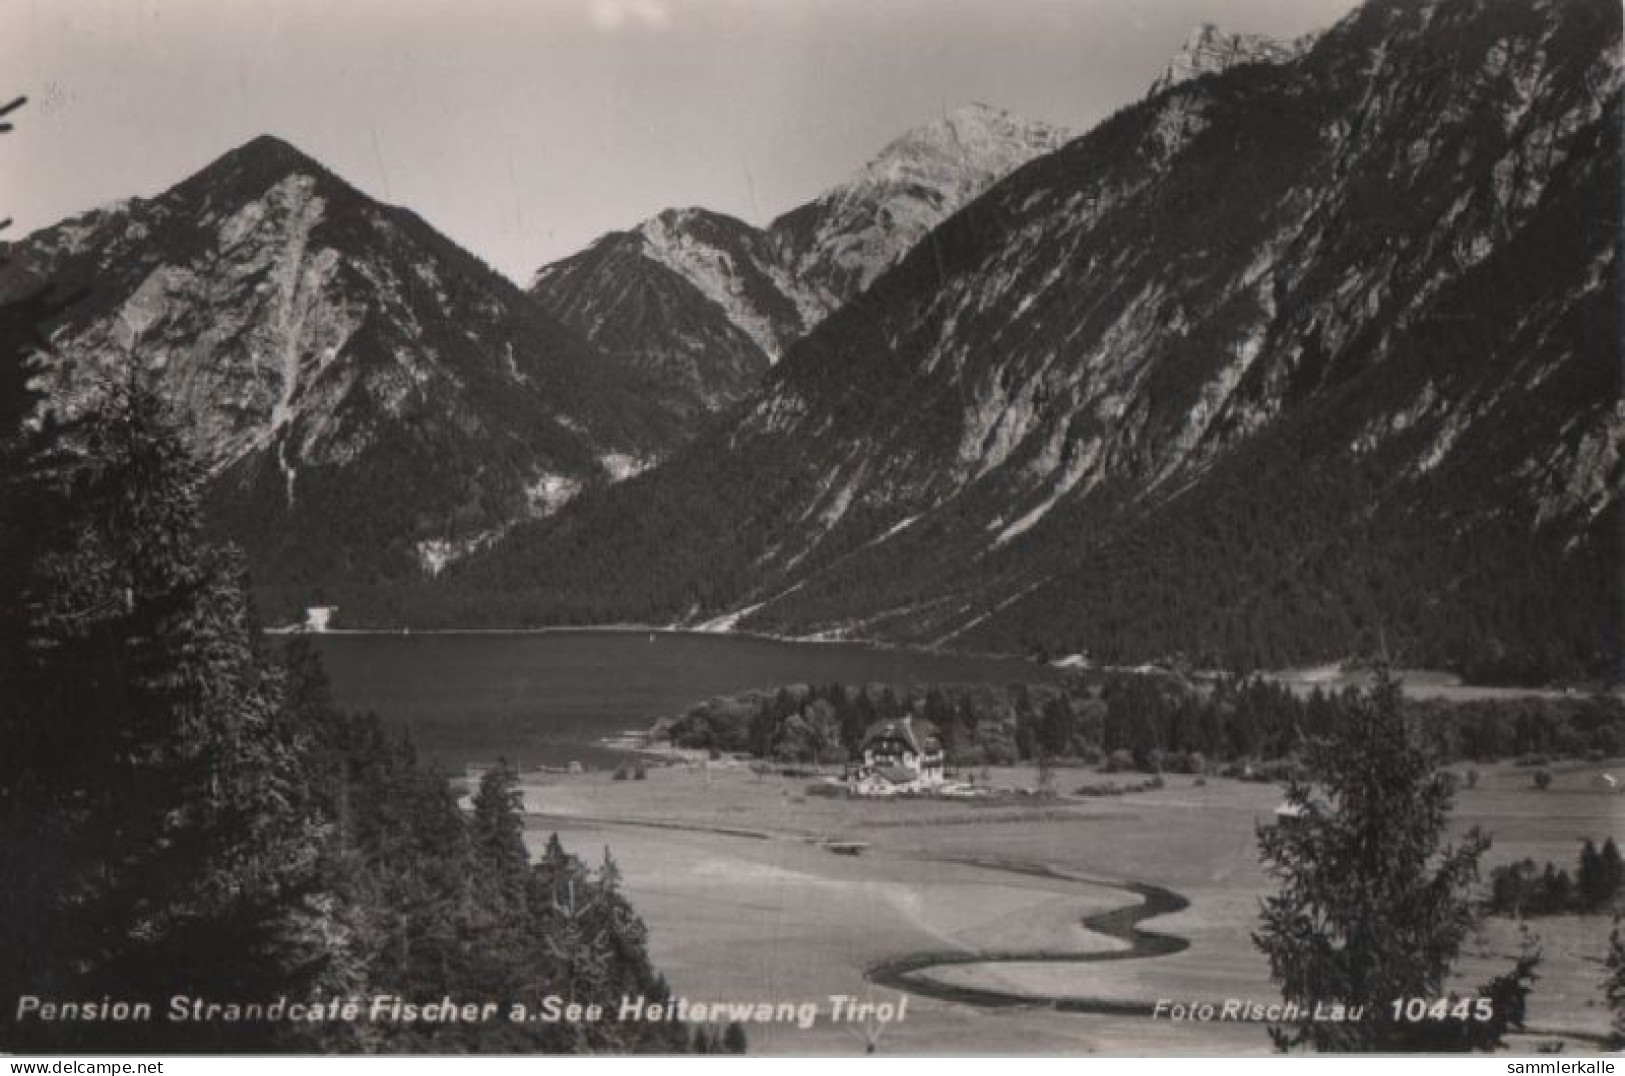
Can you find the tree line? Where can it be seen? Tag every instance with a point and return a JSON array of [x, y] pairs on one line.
[[1151, 722], [1524, 889]]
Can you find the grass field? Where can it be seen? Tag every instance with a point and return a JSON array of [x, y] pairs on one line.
[[743, 904]]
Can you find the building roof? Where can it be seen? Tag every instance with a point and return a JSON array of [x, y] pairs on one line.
[[920, 735]]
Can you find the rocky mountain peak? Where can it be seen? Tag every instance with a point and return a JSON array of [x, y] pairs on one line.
[[977, 135], [265, 177], [270, 149], [962, 151], [835, 246], [311, 340], [264, 158], [1209, 50]]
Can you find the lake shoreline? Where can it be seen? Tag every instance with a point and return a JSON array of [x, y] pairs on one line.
[[668, 629], [1419, 683]]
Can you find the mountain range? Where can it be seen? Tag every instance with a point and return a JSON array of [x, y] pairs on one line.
[[1287, 361], [1313, 349], [706, 303], [374, 402]]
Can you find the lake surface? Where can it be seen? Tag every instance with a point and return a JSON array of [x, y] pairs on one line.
[[548, 698]]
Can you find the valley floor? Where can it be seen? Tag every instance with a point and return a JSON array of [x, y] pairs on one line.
[[744, 904]]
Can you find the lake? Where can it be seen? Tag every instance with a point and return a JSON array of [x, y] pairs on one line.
[[547, 698]]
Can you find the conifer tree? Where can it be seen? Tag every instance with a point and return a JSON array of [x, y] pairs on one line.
[[498, 839], [1590, 885], [1611, 871], [1373, 904]]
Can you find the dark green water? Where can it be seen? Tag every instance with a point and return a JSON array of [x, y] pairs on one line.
[[549, 698]]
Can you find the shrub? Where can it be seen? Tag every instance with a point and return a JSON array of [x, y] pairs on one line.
[[1119, 761], [1276, 771], [1112, 788], [1191, 762]]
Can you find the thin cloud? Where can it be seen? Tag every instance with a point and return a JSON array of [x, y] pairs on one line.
[[611, 16]]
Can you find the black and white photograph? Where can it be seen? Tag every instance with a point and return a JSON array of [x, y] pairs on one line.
[[811, 527]]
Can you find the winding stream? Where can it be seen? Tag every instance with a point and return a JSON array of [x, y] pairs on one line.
[[903, 973]]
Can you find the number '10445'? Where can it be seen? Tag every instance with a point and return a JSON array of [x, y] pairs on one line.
[[1416, 1010]]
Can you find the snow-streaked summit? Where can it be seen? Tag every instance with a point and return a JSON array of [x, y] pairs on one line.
[[958, 154], [837, 245]]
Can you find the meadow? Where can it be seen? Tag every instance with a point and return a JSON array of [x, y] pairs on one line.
[[743, 901]]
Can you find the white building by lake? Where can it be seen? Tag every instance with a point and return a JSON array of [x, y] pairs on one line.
[[319, 617]]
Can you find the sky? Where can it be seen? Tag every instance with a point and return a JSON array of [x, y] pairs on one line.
[[524, 129]]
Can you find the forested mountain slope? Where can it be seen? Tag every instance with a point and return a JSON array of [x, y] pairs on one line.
[[1274, 361]]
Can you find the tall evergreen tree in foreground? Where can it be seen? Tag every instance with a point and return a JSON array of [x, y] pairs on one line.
[[1374, 903], [157, 782]]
